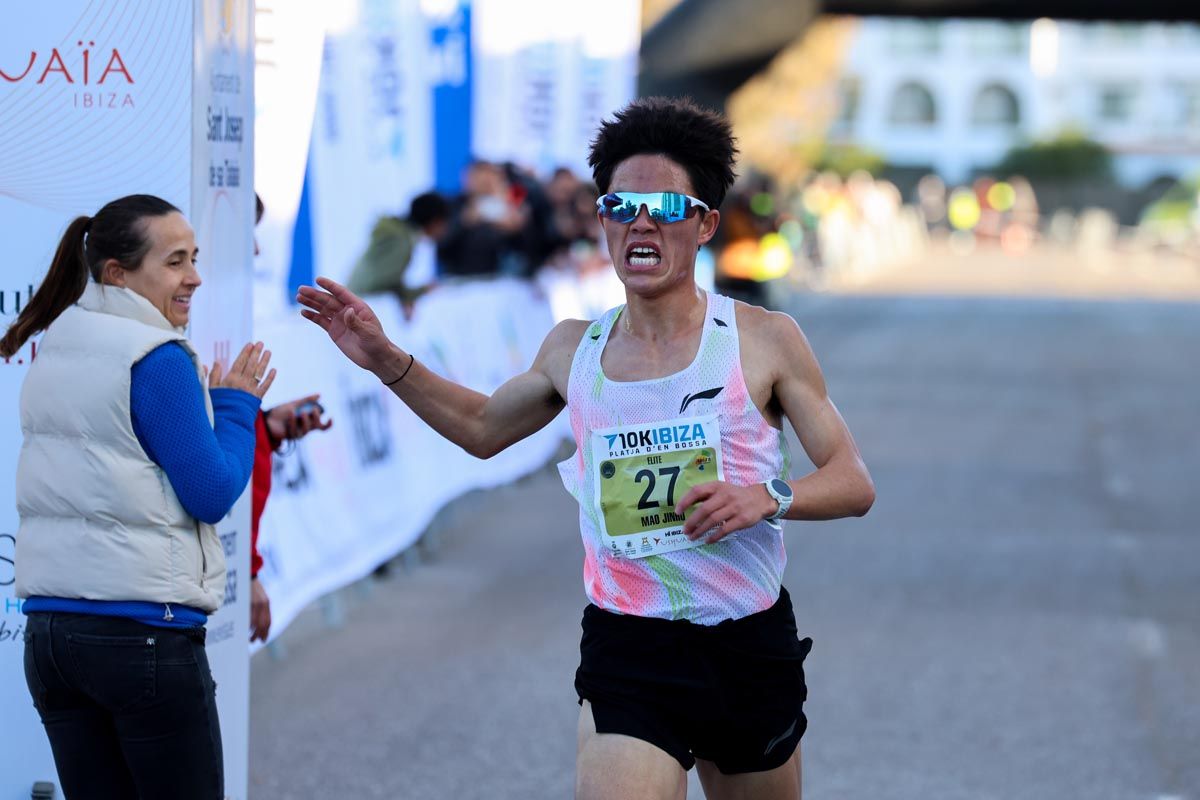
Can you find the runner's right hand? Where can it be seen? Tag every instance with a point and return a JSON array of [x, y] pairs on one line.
[[349, 321]]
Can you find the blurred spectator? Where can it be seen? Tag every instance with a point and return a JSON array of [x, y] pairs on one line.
[[489, 227], [750, 251], [539, 235], [931, 199], [576, 243], [737, 244], [402, 255], [850, 228]]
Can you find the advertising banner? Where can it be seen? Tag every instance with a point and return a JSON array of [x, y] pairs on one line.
[[345, 500], [287, 67], [372, 141], [450, 78], [545, 75], [100, 99], [222, 214]]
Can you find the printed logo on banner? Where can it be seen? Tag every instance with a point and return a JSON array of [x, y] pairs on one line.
[[8, 550], [224, 126], [372, 433], [13, 300], [228, 20], [225, 24], [11, 633], [538, 101], [230, 588], [100, 74], [290, 471], [387, 128], [12, 605], [219, 633], [11, 303]]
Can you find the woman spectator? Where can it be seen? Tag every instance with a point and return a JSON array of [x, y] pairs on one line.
[[128, 460]]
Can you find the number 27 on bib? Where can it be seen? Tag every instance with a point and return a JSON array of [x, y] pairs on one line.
[[642, 471]]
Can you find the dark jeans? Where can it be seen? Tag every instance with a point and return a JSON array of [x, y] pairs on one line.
[[130, 709]]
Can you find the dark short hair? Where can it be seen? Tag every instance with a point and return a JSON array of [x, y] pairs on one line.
[[428, 208], [699, 140]]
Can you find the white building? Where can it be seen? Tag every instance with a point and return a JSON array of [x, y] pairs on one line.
[[954, 95]]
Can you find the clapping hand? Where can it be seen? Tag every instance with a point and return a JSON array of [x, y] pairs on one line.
[[248, 371]]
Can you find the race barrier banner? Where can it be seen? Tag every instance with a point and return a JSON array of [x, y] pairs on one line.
[[347, 499], [99, 99]]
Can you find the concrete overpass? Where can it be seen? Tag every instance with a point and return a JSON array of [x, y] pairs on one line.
[[708, 48]]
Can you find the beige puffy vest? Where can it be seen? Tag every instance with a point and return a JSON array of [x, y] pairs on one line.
[[99, 519]]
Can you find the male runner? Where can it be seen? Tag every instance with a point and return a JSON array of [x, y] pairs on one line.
[[689, 652]]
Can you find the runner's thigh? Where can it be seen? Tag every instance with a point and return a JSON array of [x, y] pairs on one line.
[[782, 783], [611, 766]]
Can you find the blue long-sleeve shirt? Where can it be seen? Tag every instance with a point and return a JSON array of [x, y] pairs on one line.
[[208, 467]]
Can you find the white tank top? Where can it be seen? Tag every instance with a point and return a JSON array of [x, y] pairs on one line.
[[640, 444]]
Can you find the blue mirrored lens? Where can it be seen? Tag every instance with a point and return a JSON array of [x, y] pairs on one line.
[[664, 207]]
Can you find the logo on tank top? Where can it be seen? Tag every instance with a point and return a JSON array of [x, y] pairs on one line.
[[707, 394]]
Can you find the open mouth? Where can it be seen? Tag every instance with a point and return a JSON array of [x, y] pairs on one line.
[[643, 256], [183, 301]]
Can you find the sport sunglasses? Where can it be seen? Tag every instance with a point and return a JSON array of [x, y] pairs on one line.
[[664, 207]]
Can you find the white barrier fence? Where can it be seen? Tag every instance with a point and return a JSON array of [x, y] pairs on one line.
[[347, 499]]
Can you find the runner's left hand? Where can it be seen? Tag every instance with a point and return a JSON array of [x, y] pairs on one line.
[[724, 508]]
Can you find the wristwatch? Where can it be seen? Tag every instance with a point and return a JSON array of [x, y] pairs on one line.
[[781, 492]]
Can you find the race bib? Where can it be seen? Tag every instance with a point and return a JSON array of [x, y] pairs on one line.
[[642, 471]]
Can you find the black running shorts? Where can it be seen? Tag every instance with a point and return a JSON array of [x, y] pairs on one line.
[[731, 693]]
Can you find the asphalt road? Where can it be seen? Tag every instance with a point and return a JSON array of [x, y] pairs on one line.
[[1017, 617]]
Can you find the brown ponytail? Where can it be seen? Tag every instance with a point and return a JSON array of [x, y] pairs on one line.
[[117, 232], [62, 286]]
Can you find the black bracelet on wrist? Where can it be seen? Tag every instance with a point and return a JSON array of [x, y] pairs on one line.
[[411, 359]]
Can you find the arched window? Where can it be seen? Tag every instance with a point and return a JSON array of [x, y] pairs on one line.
[[995, 105], [912, 104]]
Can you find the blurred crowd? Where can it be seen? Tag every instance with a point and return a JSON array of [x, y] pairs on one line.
[[509, 223], [826, 230], [505, 223]]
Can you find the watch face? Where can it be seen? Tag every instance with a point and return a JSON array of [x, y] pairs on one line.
[[781, 487]]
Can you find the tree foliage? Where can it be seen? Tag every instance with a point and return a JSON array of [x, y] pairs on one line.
[[846, 159], [1068, 156]]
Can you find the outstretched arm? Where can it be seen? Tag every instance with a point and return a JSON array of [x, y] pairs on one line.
[[481, 425]]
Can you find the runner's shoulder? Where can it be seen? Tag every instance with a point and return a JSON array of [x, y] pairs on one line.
[[566, 334], [563, 340], [773, 331]]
